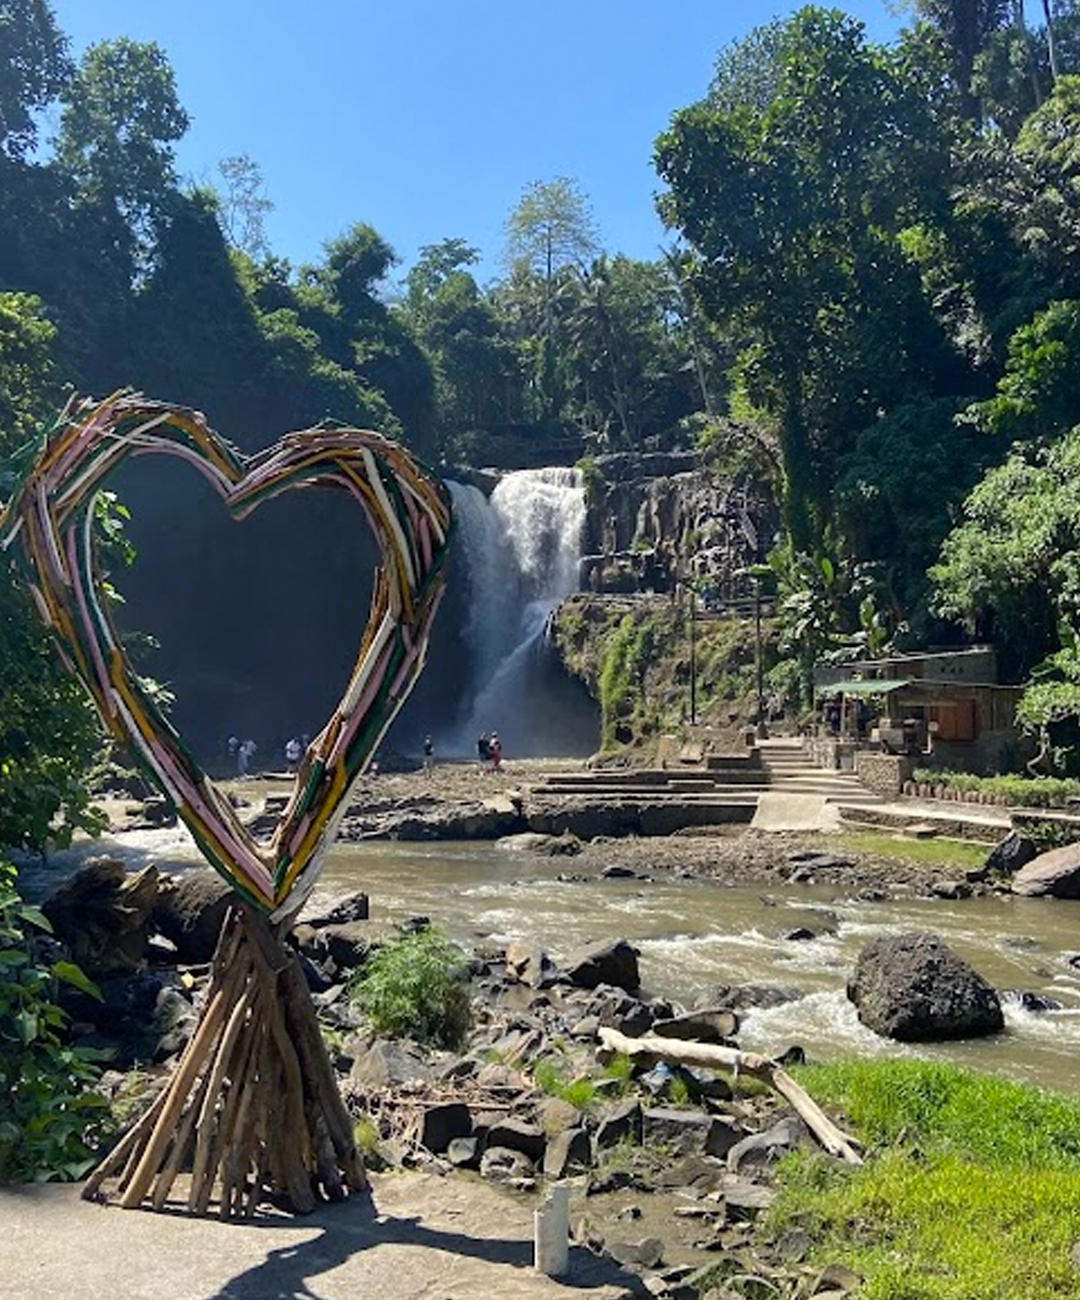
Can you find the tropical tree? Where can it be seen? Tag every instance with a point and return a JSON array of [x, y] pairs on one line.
[[34, 69], [120, 121], [791, 202]]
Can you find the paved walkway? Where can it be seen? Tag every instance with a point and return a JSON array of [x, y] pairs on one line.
[[427, 1238]]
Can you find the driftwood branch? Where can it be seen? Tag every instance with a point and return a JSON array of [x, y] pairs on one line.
[[715, 1057]]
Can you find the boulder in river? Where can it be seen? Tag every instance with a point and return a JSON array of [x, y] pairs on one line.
[[914, 988], [1055, 874]]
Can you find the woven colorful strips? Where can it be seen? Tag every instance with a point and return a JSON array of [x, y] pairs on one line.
[[49, 520]]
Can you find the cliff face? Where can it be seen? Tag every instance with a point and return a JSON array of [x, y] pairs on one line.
[[657, 521]]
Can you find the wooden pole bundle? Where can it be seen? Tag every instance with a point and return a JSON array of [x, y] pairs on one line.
[[252, 1109], [717, 1057]]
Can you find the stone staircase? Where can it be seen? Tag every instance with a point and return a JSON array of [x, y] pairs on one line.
[[720, 789], [791, 771]]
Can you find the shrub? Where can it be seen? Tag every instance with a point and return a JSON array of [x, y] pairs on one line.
[[50, 1117], [416, 986], [1023, 791]]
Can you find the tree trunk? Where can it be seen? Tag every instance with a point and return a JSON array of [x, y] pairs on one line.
[[252, 1109]]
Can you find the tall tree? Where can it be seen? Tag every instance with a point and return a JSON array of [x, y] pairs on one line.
[[120, 120], [791, 204], [34, 68], [244, 206], [549, 231]]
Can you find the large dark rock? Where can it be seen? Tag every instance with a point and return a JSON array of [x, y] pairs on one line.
[[610, 961], [1012, 853], [102, 915], [914, 988], [1052, 875], [190, 912]]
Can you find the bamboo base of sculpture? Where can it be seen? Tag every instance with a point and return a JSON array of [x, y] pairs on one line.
[[253, 1109]]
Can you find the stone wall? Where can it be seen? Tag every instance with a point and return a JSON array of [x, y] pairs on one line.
[[883, 774]]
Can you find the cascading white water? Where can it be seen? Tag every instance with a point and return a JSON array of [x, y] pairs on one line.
[[521, 548]]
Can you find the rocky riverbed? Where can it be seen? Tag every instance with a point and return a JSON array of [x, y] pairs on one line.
[[671, 1167]]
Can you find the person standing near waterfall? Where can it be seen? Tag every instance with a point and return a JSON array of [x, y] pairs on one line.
[[495, 751]]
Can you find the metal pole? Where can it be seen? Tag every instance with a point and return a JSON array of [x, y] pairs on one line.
[[693, 665], [759, 665]]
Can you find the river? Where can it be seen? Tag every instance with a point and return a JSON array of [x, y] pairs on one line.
[[695, 934]]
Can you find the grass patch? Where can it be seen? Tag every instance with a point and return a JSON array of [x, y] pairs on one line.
[[973, 1192], [551, 1079], [953, 854]]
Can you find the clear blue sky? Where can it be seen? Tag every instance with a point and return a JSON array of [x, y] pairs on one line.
[[428, 118]]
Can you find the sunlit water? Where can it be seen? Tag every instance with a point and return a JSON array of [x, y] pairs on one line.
[[694, 935]]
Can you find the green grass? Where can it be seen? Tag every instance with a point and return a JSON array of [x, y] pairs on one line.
[[971, 1190], [550, 1078], [951, 854]]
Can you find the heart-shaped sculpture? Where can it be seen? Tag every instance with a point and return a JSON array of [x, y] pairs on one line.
[[51, 516]]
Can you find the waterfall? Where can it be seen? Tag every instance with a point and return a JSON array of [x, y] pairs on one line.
[[521, 548]]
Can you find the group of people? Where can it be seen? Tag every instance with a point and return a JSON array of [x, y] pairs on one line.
[[242, 751], [489, 751]]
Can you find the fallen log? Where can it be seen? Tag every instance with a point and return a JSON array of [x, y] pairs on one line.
[[715, 1057]]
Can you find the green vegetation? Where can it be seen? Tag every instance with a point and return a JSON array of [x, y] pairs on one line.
[[971, 1191], [1023, 792], [550, 1078], [952, 854], [416, 985], [51, 1119]]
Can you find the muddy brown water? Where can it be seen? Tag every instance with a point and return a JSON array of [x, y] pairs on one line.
[[695, 934]]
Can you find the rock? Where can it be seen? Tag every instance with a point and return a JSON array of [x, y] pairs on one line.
[[354, 907], [464, 1152], [616, 1009], [501, 1165], [819, 860], [158, 811], [529, 964], [684, 1131], [1007, 857], [566, 1152], [1029, 1001], [616, 872], [190, 912], [705, 1025], [619, 1123], [913, 988], [724, 1132], [610, 961], [550, 846], [586, 1027], [646, 1253], [102, 915], [343, 946], [700, 1173], [766, 1147], [442, 1123], [741, 997], [384, 1063], [743, 1195], [557, 1115], [1055, 874], [517, 1135]]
